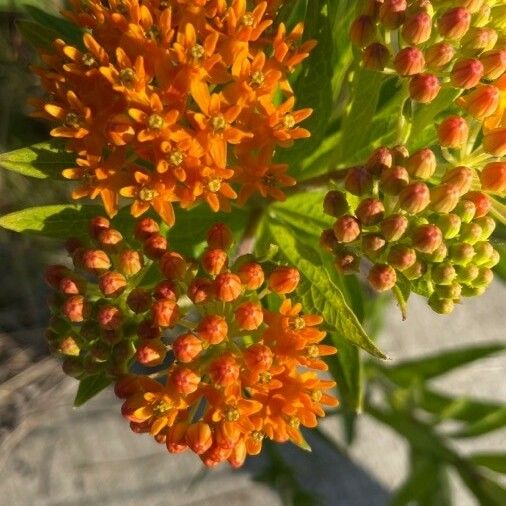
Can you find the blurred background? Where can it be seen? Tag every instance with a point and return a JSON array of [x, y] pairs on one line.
[[427, 441]]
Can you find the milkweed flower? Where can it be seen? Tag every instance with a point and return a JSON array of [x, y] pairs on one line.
[[173, 102], [216, 371]]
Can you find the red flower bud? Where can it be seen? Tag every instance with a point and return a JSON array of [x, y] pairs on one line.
[[151, 353], [370, 211], [481, 202], [72, 245], [358, 181], [251, 275], [460, 177], [72, 285], [228, 286], [148, 330], [444, 198], [145, 228], [409, 61], [453, 132], [165, 290], [224, 371], [184, 380], [213, 329], [392, 13], [335, 203], [346, 229], [284, 280], [97, 225], [165, 312], [417, 28], [375, 56], [201, 290], [95, 260], [394, 179], [199, 437], [380, 160], [186, 348], [467, 73], [482, 102], [112, 284], [173, 265], [493, 177], [249, 316], [220, 237], [362, 31], [373, 244], [494, 142], [110, 239], [75, 308], [347, 262], [130, 262], [155, 246], [424, 88], [110, 317], [422, 164], [382, 277], [328, 241], [454, 23], [494, 63], [414, 198], [394, 227], [427, 238], [258, 358], [54, 274], [139, 300], [400, 154], [439, 55], [214, 261]]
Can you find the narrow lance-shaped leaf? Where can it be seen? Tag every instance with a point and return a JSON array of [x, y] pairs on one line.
[[493, 461], [89, 387]]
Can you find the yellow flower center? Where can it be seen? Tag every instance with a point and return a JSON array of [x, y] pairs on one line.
[[218, 123], [164, 4], [298, 323], [269, 180], [153, 33], [161, 408], [264, 377], [73, 120], [155, 122], [313, 351], [214, 185], [288, 121], [257, 435], [176, 158], [316, 395], [294, 422], [258, 78], [197, 51], [248, 19], [147, 194], [88, 60], [127, 77], [232, 414]]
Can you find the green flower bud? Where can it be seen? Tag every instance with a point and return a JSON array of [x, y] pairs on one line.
[[443, 273], [465, 210], [441, 306], [461, 253], [449, 224], [487, 225], [416, 271], [472, 291], [494, 260], [470, 233], [439, 255], [483, 252], [450, 291], [468, 273], [484, 278]]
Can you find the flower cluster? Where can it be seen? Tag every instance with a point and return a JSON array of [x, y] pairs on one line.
[[458, 44], [175, 101], [197, 358], [421, 224]]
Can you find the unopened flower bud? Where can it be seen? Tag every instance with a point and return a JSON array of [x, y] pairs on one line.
[[441, 306], [145, 228], [214, 261], [466, 73], [249, 316], [472, 5], [139, 300], [284, 280], [220, 237], [69, 346], [373, 244], [394, 227], [451, 291], [484, 251], [380, 160], [328, 241], [444, 198], [454, 23], [481, 202], [110, 239], [358, 181], [165, 312], [130, 262], [199, 437], [468, 273], [97, 225], [443, 273], [75, 308], [228, 286], [375, 57], [370, 211], [482, 102], [155, 246], [347, 262], [346, 229], [258, 357], [417, 28], [382, 277], [184, 380], [110, 317], [494, 142], [461, 253], [213, 329], [112, 284], [424, 88], [414, 198], [151, 353], [427, 238], [493, 177], [409, 61], [392, 13], [494, 63], [95, 260], [400, 154], [422, 164], [173, 265], [470, 233], [335, 203], [201, 290], [251, 275], [416, 271], [186, 348], [487, 225], [147, 329], [165, 290], [224, 371], [401, 257], [73, 367], [439, 55], [449, 224], [484, 278], [479, 39], [465, 210], [362, 31], [453, 132], [394, 179]]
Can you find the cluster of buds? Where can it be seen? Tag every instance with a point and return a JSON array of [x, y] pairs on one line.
[[170, 101], [420, 223], [222, 372], [457, 44]]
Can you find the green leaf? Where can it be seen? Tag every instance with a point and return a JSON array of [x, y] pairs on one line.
[[89, 387], [318, 293], [42, 161], [436, 365], [40, 37], [491, 422], [487, 491], [493, 461], [59, 221]]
